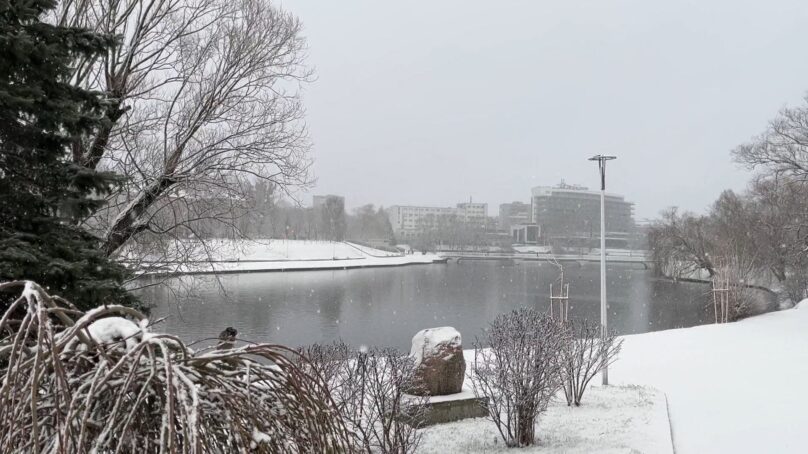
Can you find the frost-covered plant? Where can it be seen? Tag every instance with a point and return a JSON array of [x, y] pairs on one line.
[[584, 355], [369, 388], [517, 367], [101, 382]]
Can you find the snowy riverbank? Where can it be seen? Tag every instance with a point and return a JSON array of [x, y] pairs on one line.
[[737, 387], [732, 388], [291, 255]]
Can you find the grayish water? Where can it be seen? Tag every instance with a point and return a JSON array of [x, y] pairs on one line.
[[387, 306]]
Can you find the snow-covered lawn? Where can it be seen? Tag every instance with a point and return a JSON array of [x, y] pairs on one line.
[[733, 388], [287, 255], [612, 419]]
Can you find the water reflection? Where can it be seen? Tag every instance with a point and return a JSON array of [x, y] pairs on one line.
[[386, 306]]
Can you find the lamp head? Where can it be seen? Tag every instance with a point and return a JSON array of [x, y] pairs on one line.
[[600, 157]]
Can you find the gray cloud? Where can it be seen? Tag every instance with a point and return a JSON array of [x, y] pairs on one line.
[[432, 102]]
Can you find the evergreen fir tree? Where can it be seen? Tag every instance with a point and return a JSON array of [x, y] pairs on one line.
[[43, 193]]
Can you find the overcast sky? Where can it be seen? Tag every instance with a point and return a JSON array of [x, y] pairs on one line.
[[433, 102]]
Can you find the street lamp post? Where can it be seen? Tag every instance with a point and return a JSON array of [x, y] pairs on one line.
[[604, 326]]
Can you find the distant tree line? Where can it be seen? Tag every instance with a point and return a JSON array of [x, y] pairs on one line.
[[454, 232], [264, 213]]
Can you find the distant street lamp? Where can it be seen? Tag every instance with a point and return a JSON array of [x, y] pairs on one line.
[[604, 326]]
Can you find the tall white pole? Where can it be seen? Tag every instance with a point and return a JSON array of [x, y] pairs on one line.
[[604, 324], [603, 313]]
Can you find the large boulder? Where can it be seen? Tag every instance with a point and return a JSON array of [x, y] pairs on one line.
[[439, 363]]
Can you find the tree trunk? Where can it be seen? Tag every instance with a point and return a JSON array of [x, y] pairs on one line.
[[526, 430], [126, 225]]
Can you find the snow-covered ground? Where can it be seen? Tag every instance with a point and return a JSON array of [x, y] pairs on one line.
[[614, 419], [288, 255], [731, 388]]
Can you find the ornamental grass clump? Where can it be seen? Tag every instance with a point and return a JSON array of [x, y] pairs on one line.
[[100, 381]]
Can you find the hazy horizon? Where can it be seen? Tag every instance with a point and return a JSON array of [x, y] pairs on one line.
[[424, 103]]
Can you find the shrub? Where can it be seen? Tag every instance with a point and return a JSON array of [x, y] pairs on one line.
[[517, 367], [72, 384], [584, 355], [369, 388]]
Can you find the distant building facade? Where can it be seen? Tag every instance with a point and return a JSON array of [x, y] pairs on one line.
[[569, 215], [514, 213], [408, 221], [473, 212]]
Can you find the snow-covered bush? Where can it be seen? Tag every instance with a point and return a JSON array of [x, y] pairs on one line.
[[369, 388], [583, 356], [101, 382], [517, 366]]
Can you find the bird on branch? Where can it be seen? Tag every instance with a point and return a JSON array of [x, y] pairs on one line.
[[227, 338]]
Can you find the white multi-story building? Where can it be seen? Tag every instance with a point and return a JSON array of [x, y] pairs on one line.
[[472, 212], [410, 220]]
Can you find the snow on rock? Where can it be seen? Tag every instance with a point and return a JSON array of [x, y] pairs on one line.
[[440, 366], [428, 342], [115, 329]]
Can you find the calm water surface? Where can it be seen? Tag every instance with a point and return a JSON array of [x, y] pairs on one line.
[[387, 306]]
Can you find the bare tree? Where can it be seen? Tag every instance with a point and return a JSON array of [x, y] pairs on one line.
[[782, 148], [584, 355], [369, 388], [332, 218], [203, 96], [734, 221], [781, 230], [780, 153], [680, 244], [517, 367], [758, 237]]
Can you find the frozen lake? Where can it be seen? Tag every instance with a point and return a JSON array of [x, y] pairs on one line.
[[387, 306]]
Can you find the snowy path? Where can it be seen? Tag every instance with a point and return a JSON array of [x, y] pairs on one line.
[[734, 388]]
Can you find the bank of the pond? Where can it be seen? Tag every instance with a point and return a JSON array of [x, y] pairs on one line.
[[228, 257], [759, 299], [731, 388], [735, 388]]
